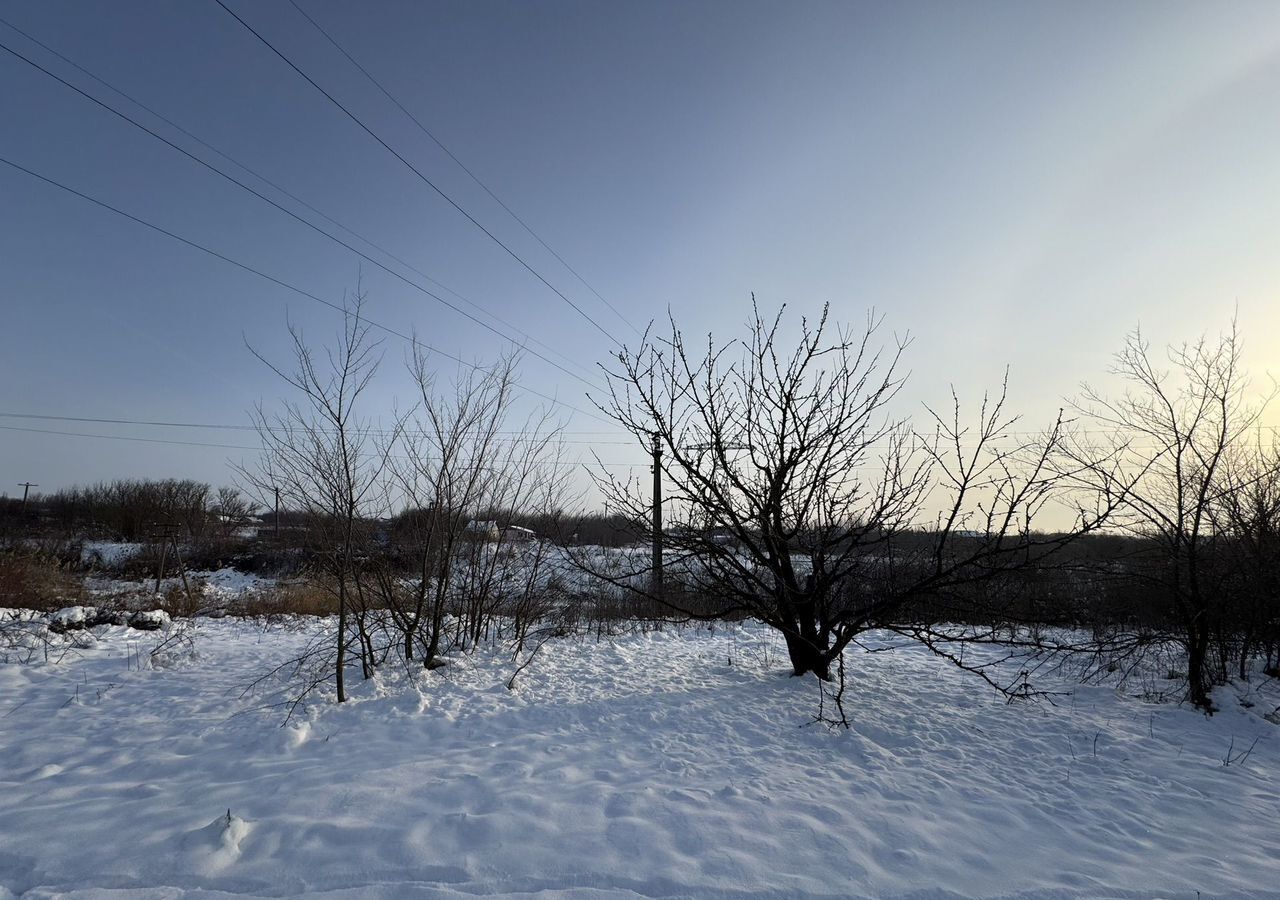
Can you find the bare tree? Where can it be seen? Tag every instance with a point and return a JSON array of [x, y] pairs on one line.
[[234, 511], [443, 464], [794, 497], [1247, 514], [464, 478], [1168, 444], [320, 453]]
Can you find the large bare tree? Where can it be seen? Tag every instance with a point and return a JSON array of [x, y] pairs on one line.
[[796, 497]]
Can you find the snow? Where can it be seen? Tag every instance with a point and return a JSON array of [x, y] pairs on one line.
[[229, 582], [73, 616], [220, 588], [76, 617], [109, 553], [149, 620], [672, 764]]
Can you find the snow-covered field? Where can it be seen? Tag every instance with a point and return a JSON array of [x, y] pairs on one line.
[[672, 764]]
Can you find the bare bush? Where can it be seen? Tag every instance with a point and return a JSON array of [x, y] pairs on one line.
[[1167, 455], [466, 479], [30, 579], [452, 569], [319, 454]]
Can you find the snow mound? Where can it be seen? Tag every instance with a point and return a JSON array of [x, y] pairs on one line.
[[70, 617], [229, 582], [212, 849], [149, 620], [108, 553]]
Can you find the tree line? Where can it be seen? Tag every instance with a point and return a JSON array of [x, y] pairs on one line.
[[796, 494], [131, 510]]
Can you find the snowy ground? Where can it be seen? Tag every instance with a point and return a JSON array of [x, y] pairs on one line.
[[660, 765], [219, 585], [109, 553]]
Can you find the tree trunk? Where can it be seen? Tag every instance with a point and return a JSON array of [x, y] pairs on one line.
[[1197, 676], [342, 639], [433, 639], [807, 657]]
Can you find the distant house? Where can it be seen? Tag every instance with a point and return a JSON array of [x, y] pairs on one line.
[[481, 530], [518, 535], [251, 528], [241, 526]]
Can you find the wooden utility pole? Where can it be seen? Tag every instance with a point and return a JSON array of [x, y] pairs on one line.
[[277, 515], [171, 537], [657, 516], [164, 550], [26, 488]]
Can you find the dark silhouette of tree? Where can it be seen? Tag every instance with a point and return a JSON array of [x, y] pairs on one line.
[[795, 497], [1165, 454]]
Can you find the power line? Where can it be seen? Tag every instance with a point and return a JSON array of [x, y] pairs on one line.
[[425, 180], [122, 437], [1130, 468], [226, 426], [472, 175], [287, 211], [284, 284], [264, 179]]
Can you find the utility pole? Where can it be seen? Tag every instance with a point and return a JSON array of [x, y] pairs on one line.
[[657, 516], [26, 488], [657, 584], [277, 515], [170, 538], [164, 550]]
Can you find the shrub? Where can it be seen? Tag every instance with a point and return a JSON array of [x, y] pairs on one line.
[[306, 597], [32, 580]]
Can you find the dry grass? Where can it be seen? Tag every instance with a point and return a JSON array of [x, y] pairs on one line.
[[305, 597], [178, 603], [32, 580]]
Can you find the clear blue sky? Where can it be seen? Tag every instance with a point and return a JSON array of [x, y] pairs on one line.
[[1013, 183]]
